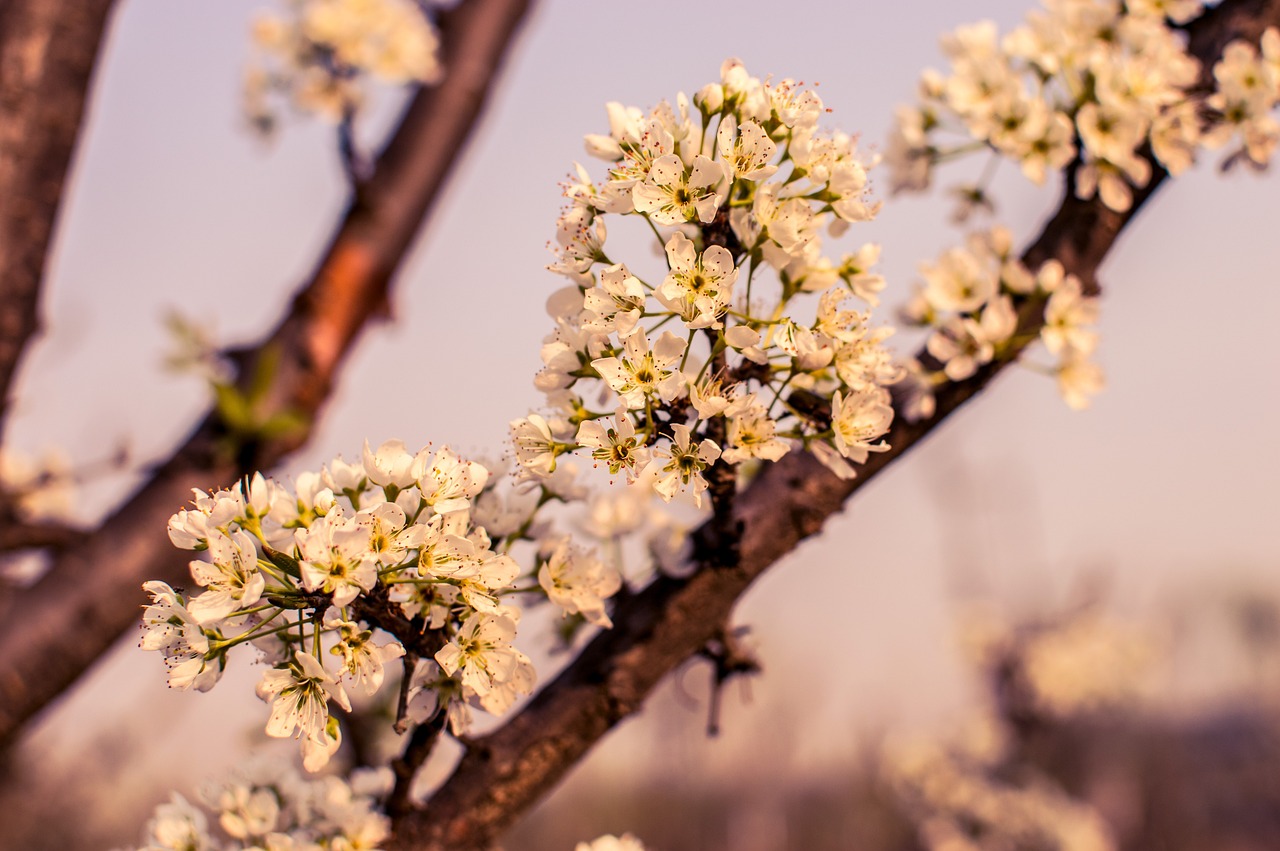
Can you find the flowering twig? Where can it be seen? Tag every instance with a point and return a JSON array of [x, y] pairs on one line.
[[504, 772]]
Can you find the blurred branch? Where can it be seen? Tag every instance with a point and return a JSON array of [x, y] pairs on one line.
[[17, 534], [506, 771], [91, 595], [47, 54]]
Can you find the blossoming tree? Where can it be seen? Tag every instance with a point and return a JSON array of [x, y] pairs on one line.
[[738, 369]]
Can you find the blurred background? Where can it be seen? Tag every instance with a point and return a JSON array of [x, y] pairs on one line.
[[1135, 541]]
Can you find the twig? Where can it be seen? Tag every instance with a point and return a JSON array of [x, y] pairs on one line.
[[728, 660], [405, 767], [353, 163], [410, 661], [16, 535], [664, 624]]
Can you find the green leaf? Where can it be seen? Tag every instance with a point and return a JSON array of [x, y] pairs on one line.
[[284, 424], [233, 407], [285, 562], [264, 372]]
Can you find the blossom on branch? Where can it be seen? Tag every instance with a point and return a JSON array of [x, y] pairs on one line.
[[316, 54]]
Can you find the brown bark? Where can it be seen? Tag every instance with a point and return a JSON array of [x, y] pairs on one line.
[[47, 54], [54, 631], [505, 772], [16, 534]]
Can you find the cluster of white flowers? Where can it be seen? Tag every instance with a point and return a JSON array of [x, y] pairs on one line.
[[668, 377], [269, 807], [1066, 667], [319, 51], [975, 792], [661, 376], [303, 574], [960, 801], [1248, 90], [41, 489], [576, 578], [1091, 79], [970, 297]]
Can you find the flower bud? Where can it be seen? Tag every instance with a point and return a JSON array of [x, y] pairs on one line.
[[710, 98]]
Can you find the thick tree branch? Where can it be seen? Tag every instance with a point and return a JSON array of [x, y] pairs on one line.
[[47, 54], [91, 595], [505, 772]]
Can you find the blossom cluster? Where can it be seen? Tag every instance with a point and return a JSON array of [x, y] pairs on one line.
[[40, 489], [978, 791], [970, 300], [743, 342], [1093, 81], [266, 806], [704, 362], [318, 53], [1066, 667], [269, 807], [960, 800], [308, 575]]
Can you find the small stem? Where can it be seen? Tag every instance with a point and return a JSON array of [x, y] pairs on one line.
[[988, 171], [256, 632], [661, 242], [270, 569], [261, 608], [519, 534], [664, 321], [402, 703], [942, 156], [688, 346], [405, 767], [778, 392], [396, 568], [532, 589], [352, 163]]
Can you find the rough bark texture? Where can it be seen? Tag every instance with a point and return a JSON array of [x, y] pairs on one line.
[[47, 53], [54, 631], [505, 772]]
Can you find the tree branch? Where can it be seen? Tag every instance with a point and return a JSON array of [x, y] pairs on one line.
[[16, 534], [505, 772], [54, 631], [422, 741], [47, 53]]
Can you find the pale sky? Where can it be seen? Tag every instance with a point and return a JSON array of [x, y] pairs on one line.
[[1164, 489]]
